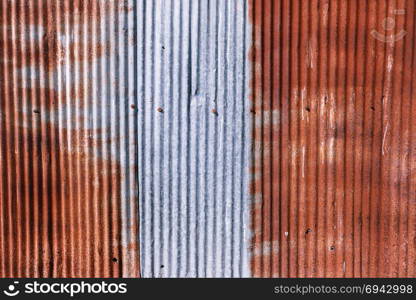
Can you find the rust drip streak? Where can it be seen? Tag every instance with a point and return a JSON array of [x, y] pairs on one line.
[[63, 194], [333, 172]]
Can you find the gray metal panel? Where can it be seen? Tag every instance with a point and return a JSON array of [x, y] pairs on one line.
[[194, 138]]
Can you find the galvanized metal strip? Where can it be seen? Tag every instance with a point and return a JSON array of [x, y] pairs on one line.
[[194, 138]]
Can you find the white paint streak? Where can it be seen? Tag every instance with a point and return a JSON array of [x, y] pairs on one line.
[[384, 139]]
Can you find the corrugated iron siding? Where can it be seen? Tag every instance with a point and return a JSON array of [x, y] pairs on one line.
[[98, 95], [194, 138], [68, 156], [334, 168]]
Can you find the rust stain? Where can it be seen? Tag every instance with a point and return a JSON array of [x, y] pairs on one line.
[[61, 186], [334, 162]]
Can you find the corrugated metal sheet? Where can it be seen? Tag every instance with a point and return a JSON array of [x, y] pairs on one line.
[[68, 154], [266, 138], [334, 166], [194, 138]]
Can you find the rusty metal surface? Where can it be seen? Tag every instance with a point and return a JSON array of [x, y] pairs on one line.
[[68, 160], [334, 157], [111, 109]]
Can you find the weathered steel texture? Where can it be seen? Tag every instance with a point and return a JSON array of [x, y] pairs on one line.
[[194, 138], [334, 169], [67, 152]]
